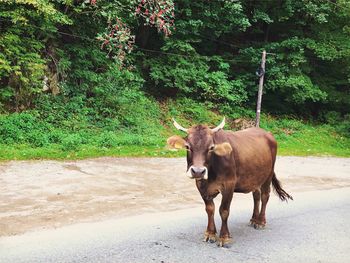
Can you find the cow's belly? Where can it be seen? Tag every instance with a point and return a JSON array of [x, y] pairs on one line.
[[250, 178], [240, 190]]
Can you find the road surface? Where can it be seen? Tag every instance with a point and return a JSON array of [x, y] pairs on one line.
[[312, 228]]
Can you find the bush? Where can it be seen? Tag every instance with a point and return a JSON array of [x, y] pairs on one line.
[[196, 78], [332, 117], [56, 136], [107, 139], [71, 142], [190, 112], [38, 138], [344, 126], [24, 127], [119, 98]]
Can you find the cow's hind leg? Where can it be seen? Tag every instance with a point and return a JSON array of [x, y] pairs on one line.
[[256, 210], [265, 195], [210, 233]]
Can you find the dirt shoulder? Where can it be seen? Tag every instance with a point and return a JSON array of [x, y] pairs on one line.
[[48, 194]]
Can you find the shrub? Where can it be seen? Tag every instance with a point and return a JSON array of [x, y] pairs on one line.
[[38, 139], [343, 127], [24, 127], [71, 142], [107, 139], [332, 117]]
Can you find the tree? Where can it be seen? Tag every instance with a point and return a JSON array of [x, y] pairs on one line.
[[205, 50]]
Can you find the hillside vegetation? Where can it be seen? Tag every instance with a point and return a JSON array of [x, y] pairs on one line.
[[92, 78]]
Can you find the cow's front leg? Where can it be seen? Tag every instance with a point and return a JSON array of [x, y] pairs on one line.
[[210, 233], [225, 237]]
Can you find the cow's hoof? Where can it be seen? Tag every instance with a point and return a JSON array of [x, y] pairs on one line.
[[225, 242], [252, 222], [209, 237], [258, 226]]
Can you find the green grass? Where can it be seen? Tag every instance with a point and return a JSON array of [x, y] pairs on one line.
[[315, 142], [297, 139], [29, 135], [23, 152]]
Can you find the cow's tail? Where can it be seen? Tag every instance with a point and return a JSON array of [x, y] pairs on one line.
[[283, 195]]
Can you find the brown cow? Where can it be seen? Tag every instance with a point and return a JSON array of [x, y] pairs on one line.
[[226, 162]]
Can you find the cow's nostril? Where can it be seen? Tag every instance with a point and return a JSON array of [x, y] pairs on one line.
[[198, 171]]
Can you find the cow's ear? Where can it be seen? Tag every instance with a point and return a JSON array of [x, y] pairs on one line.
[[222, 149], [176, 142]]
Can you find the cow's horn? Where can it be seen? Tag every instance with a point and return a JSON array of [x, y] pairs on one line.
[[179, 127], [220, 126]]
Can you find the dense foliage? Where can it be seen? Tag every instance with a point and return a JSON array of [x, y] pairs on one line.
[[82, 72]]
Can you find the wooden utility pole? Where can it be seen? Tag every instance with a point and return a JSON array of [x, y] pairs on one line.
[[261, 83]]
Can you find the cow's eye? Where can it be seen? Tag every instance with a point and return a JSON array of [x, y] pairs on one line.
[[211, 148], [187, 147]]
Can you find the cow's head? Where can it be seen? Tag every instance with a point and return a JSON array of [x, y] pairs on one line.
[[200, 147]]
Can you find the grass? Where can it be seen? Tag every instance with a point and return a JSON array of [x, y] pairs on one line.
[[23, 152], [315, 143], [304, 139], [28, 135], [294, 138]]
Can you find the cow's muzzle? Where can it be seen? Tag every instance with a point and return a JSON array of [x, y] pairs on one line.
[[198, 173]]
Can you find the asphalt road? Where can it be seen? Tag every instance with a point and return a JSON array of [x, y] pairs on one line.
[[312, 228]]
